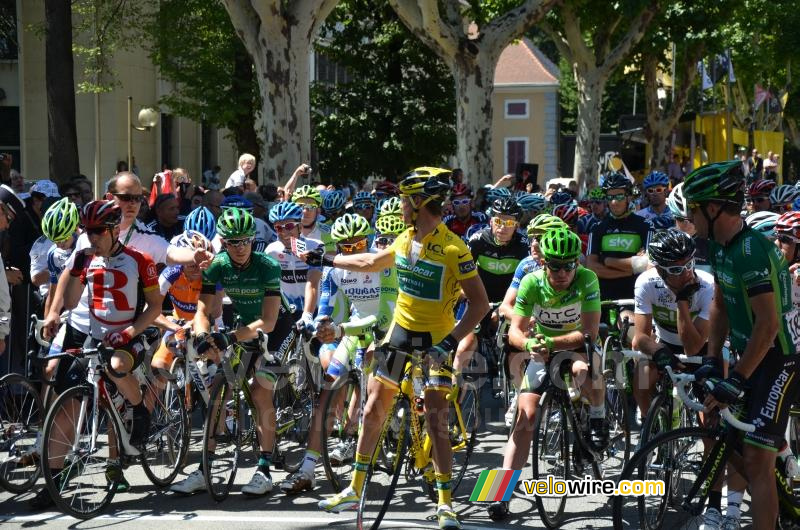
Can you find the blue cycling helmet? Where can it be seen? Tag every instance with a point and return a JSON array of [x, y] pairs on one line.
[[655, 178], [497, 193], [333, 201], [364, 197], [560, 197], [763, 222], [474, 229], [237, 201], [796, 205], [201, 220], [284, 211], [663, 221], [532, 202]]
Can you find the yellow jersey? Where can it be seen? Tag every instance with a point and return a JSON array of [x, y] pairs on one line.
[[430, 286]]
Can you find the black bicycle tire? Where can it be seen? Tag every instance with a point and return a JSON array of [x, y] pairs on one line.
[[333, 477], [544, 403], [221, 386], [658, 406], [182, 450], [37, 401]]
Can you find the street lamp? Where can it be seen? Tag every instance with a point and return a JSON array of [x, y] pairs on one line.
[[147, 118]]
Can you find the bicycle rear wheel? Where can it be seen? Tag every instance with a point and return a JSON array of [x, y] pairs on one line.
[[619, 432], [223, 432], [384, 471], [21, 419], [340, 432], [674, 457], [657, 421], [74, 456], [294, 404], [550, 450], [168, 443]]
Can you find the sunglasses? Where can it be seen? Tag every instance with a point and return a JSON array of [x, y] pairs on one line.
[[617, 197], [656, 189], [363, 206], [286, 227], [507, 223], [556, 266], [676, 270], [128, 197], [460, 202], [384, 240], [350, 247], [783, 238], [238, 242], [97, 231], [309, 206]]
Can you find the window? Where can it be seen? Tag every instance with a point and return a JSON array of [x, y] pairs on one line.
[[517, 109], [516, 152]]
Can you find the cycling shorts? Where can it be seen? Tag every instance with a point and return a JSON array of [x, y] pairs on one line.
[[539, 377], [774, 388], [392, 359], [252, 356]]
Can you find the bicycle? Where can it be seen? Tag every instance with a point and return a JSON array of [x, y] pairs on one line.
[[403, 440], [228, 427], [98, 417], [343, 407], [689, 469]]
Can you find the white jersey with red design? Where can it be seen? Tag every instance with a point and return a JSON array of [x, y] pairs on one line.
[[116, 288]]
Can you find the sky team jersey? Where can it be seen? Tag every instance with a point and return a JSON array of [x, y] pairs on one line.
[[497, 263], [366, 293], [558, 312], [619, 238], [429, 287], [748, 266], [528, 265], [294, 271], [654, 298], [116, 289], [245, 287], [182, 292]]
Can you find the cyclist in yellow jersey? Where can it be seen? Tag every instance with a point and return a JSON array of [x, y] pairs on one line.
[[433, 267]]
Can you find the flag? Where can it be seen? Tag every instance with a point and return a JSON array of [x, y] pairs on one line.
[[495, 485], [705, 79], [761, 95], [785, 98], [773, 104]]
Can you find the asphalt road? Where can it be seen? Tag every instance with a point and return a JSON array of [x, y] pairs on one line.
[[147, 507]]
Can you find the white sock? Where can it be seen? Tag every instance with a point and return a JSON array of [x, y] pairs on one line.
[[734, 503], [597, 412], [309, 462]]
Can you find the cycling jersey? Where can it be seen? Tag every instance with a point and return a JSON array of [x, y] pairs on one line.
[[459, 227], [246, 287], [182, 292], [325, 237], [497, 263], [294, 271], [653, 297], [648, 213], [366, 293], [56, 260], [529, 264], [116, 287], [38, 254], [619, 238], [587, 223], [747, 266], [430, 284], [558, 312]]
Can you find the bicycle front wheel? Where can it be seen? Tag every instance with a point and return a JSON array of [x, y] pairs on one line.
[[384, 471], [550, 450], [341, 410], [168, 443], [21, 418], [619, 432], [222, 439], [79, 440], [675, 458]]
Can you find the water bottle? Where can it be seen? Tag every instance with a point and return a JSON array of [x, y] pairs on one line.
[[419, 400]]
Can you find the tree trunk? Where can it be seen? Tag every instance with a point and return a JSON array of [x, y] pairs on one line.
[[243, 126], [587, 139], [474, 79], [61, 131]]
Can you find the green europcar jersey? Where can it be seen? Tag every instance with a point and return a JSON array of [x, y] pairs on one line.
[[558, 312], [747, 266], [245, 287]]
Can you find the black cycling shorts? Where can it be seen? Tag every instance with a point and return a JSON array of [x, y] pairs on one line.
[[392, 358]]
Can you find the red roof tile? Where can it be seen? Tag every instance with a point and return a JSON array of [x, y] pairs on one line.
[[522, 63]]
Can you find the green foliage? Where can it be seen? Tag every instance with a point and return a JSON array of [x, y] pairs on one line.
[[395, 111]]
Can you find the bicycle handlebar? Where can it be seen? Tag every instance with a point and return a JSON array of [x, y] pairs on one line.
[[37, 329], [684, 359], [359, 326], [681, 381], [622, 302]]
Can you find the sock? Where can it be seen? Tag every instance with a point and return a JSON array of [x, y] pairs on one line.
[[734, 503], [264, 461], [443, 488], [360, 472], [309, 462], [597, 412], [715, 500]]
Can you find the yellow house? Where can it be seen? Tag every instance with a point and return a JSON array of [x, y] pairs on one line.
[[525, 122]]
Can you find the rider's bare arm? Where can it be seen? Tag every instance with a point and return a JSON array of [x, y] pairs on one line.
[[312, 291], [693, 332], [269, 314], [201, 322], [719, 331], [604, 272], [369, 262], [643, 339]]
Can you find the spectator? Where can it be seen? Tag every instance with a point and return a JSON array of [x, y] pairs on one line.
[[213, 201], [10, 204], [197, 199], [18, 184], [73, 193], [5, 168], [674, 170], [211, 178], [771, 166], [259, 205], [164, 216], [250, 185], [756, 164], [247, 163], [457, 176], [83, 183], [122, 166]]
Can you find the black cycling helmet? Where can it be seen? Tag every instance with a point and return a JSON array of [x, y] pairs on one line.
[[668, 246], [617, 181], [507, 206]]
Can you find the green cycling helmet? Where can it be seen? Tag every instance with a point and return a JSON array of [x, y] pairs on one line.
[[390, 225], [60, 220], [391, 206], [560, 244], [597, 194], [720, 181], [544, 222], [348, 226], [236, 223], [309, 192]]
